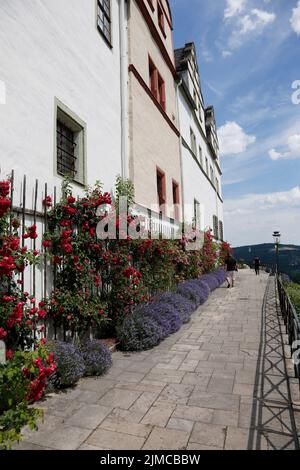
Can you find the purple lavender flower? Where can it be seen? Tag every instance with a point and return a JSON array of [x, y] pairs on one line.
[[138, 333], [97, 357], [70, 365], [182, 304]]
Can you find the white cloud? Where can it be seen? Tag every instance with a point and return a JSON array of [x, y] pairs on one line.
[[234, 7], [293, 144], [253, 217], [255, 21], [274, 155], [233, 139], [295, 19], [226, 54]]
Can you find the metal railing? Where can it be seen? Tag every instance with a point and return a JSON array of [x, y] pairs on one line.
[[291, 321]]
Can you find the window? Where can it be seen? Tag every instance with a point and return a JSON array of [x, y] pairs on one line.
[[216, 227], [161, 18], [157, 85], [161, 190], [104, 19], [212, 175], [151, 4], [195, 99], [221, 231], [200, 156], [197, 214], [193, 142], [70, 151], [206, 165], [217, 186], [176, 202]]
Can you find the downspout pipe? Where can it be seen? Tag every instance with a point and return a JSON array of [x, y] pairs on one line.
[[178, 85], [124, 88]]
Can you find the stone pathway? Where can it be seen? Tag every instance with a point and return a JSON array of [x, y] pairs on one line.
[[219, 383]]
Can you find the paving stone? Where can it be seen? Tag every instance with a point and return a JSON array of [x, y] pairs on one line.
[[158, 415], [197, 355], [176, 393], [131, 377], [61, 407], [193, 413], [118, 414], [62, 438], [214, 400], [115, 440], [116, 398], [144, 402], [236, 439], [89, 416], [208, 434], [195, 446], [96, 384], [90, 397], [219, 384], [89, 447], [166, 439], [201, 379], [180, 424], [244, 389], [23, 445], [189, 366], [225, 418], [245, 377], [134, 429]]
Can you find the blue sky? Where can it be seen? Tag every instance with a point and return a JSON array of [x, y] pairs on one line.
[[249, 57]]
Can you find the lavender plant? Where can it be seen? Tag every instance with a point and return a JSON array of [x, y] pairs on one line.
[[182, 304], [97, 357], [138, 333], [70, 364]]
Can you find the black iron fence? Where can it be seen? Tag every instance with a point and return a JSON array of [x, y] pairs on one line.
[[292, 323]]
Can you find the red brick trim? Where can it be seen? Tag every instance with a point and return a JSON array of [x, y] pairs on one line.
[[144, 85], [150, 2], [156, 36]]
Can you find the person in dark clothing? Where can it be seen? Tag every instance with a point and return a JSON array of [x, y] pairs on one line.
[[256, 265], [231, 268]]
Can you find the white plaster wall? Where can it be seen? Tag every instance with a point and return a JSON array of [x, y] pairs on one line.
[[53, 49], [195, 184]]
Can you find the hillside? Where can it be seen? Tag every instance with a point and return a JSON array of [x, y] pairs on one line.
[[289, 257]]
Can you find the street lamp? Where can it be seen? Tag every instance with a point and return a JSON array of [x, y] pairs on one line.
[[276, 236]]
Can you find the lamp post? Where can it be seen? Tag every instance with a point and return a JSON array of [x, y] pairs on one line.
[[276, 236]]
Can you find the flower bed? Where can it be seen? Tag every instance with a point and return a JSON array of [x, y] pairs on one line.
[[150, 324]]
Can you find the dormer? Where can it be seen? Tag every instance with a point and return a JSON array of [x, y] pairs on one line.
[[211, 131], [188, 71]]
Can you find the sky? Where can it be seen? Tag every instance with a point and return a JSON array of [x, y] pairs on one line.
[[249, 60]]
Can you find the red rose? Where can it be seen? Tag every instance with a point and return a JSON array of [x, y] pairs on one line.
[[47, 201], [3, 333], [42, 314], [9, 354], [47, 243], [71, 200]]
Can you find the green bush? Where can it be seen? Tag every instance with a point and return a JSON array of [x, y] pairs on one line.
[[22, 381], [293, 291]]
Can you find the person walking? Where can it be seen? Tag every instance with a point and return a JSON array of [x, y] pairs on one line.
[[257, 265], [231, 268]]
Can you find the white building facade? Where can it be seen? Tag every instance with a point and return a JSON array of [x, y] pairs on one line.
[[201, 172], [62, 68]]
